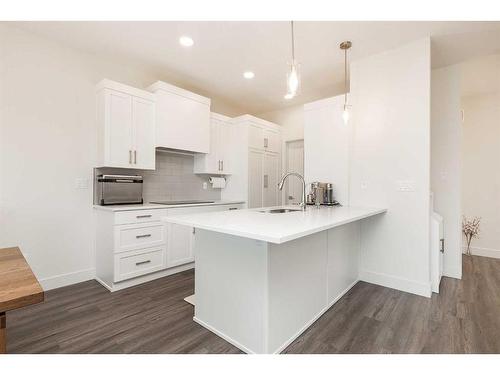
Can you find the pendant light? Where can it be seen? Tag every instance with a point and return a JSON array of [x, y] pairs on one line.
[[345, 46], [293, 75]]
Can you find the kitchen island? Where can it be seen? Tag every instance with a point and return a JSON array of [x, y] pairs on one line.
[[262, 278]]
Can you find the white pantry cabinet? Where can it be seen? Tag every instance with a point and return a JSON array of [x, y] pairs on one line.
[[256, 162], [135, 246], [182, 119], [218, 160], [263, 176], [126, 120]]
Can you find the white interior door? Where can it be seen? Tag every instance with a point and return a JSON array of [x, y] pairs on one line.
[[294, 163]]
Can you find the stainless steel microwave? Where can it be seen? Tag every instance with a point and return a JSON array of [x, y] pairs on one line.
[[118, 189]]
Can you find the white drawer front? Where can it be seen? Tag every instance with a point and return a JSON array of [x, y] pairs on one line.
[[139, 216], [137, 263], [131, 237]]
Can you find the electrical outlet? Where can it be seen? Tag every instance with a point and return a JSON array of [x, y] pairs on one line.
[[205, 185], [405, 186]]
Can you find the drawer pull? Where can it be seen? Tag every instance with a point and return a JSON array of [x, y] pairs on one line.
[[232, 208], [143, 236], [143, 216], [143, 262]]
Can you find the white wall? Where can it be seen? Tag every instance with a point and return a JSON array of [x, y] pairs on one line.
[[481, 174], [47, 140], [326, 145], [446, 156], [291, 119], [391, 143]]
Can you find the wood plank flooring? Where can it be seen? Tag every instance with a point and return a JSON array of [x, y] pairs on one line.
[[153, 318]]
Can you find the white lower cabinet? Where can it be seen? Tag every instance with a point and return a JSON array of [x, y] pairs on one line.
[[140, 262], [180, 244], [136, 246]]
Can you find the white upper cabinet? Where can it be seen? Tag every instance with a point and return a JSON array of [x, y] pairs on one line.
[[255, 162], [126, 119], [262, 138], [143, 116], [272, 140], [182, 119], [218, 160]]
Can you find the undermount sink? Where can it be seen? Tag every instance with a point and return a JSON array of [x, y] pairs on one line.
[[280, 210]]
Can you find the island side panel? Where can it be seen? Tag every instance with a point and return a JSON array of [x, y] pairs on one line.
[[297, 287], [231, 288], [344, 244]]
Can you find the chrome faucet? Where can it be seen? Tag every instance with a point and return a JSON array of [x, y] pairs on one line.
[[282, 182]]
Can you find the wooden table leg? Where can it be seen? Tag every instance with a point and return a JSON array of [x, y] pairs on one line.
[[3, 334]]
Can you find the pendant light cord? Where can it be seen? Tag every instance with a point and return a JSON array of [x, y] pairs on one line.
[[293, 44], [345, 77]]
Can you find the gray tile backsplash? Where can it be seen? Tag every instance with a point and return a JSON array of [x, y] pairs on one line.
[[173, 179]]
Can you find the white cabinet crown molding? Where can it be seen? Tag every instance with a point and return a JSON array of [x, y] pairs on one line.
[[121, 87], [257, 121], [160, 85]]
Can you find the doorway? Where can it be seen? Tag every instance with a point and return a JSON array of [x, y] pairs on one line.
[[294, 162]]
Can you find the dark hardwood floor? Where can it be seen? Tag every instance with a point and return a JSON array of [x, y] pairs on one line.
[[153, 318]]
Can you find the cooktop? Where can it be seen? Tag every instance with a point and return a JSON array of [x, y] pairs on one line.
[[174, 203]]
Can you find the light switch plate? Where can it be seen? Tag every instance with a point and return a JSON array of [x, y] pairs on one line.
[[205, 186], [405, 186], [363, 185]]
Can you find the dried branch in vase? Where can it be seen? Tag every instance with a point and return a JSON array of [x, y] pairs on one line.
[[470, 229]]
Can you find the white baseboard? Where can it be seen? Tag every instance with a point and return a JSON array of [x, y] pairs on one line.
[[453, 272], [483, 252], [114, 287], [66, 279], [393, 282], [223, 336]]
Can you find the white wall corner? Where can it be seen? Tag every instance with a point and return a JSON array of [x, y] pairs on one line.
[[398, 283], [66, 279]]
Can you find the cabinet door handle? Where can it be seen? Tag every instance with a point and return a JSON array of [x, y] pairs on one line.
[[142, 216], [143, 262], [222, 165], [266, 181], [143, 236], [442, 245], [135, 156], [130, 156], [219, 165], [266, 142]]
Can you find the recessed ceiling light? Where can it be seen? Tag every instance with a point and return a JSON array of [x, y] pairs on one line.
[[249, 75], [288, 96], [186, 41]]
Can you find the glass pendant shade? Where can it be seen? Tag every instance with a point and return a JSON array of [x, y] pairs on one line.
[[345, 115], [293, 79]]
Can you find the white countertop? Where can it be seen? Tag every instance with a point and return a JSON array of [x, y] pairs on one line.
[[150, 206], [275, 228]]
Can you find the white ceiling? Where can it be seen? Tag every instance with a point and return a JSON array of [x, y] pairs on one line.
[[224, 50]]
